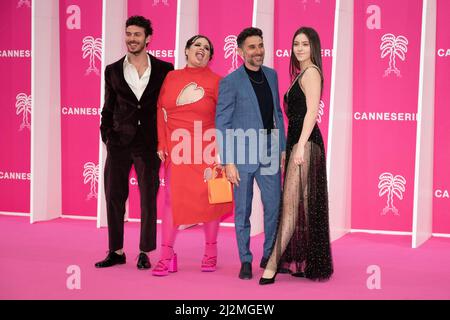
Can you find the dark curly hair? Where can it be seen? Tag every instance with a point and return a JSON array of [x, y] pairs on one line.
[[142, 22]]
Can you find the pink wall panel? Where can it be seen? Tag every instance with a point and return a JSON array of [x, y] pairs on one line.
[[441, 208], [81, 44], [385, 93], [163, 15], [290, 15], [15, 103], [386, 75], [221, 21]]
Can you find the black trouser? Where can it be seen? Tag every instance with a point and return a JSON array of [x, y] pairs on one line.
[[117, 170]]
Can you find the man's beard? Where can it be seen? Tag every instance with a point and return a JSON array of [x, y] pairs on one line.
[[139, 48], [256, 64]]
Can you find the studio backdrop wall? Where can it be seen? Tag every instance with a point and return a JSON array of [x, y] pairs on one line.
[[386, 39]]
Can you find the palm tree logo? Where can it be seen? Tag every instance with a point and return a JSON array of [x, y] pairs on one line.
[[156, 2], [230, 49], [90, 174], [92, 48], [320, 113], [394, 47], [22, 2], [392, 185], [23, 106]]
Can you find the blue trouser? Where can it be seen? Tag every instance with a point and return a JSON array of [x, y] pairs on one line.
[[270, 186]]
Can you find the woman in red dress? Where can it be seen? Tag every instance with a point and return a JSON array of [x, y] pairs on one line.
[[186, 145]]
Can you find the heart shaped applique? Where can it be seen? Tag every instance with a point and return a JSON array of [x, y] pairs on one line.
[[191, 93]]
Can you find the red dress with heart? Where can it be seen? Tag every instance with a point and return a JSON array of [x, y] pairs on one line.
[[186, 131]]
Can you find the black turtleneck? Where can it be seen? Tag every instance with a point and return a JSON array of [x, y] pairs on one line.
[[264, 95]]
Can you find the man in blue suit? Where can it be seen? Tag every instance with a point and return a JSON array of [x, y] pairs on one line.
[[250, 133]]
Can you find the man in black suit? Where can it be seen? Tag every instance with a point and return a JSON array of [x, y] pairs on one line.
[[128, 128]]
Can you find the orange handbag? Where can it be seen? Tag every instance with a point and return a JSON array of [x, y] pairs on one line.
[[219, 188]]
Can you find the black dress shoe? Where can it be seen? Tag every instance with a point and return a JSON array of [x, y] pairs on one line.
[[264, 281], [111, 260], [143, 262], [263, 262], [246, 271]]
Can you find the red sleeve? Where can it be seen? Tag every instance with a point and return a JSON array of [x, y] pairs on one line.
[[161, 120], [216, 88]]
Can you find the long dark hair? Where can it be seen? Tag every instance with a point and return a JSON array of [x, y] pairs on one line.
[[316, 52]]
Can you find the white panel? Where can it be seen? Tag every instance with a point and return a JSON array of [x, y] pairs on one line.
[[423, 181], [263, 18], [339, 153], [187, 26], [397, 233], [45, 193], [113, 29], [18, 214]]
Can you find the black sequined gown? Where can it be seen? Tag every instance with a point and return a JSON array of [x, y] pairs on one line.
[[303, 238]]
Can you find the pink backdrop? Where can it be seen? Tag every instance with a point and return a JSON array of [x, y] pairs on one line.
[[163, 15], [290, 15], [441, 208], [80, 35], [385, 92], [15, 103], [221, 21], [385, 96]]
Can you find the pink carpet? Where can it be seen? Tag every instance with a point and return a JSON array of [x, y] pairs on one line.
[[34, 260]]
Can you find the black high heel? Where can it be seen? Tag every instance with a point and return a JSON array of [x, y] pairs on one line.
[[264, 281]]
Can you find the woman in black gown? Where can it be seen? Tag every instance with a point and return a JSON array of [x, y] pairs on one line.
[[303, 237]]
